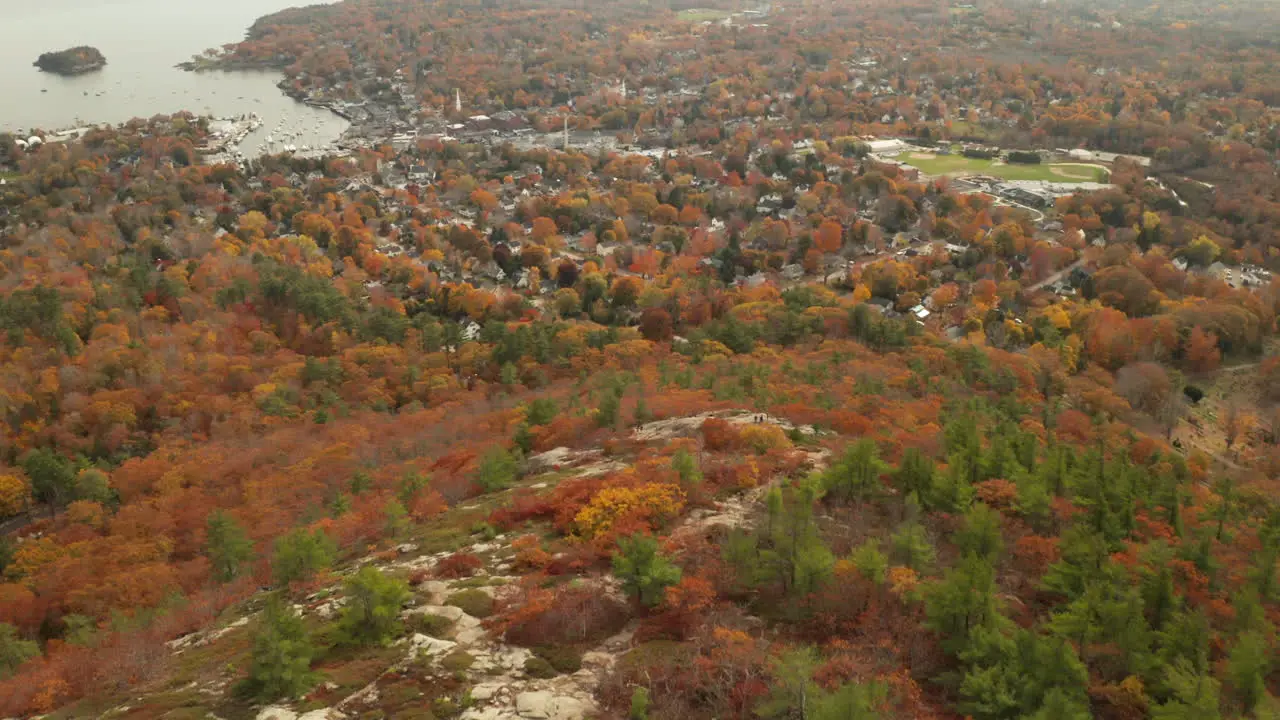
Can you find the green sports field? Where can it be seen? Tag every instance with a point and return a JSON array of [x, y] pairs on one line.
[[961, 165], [702, 15]]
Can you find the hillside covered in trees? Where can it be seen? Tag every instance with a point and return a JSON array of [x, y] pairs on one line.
[[736, 415]]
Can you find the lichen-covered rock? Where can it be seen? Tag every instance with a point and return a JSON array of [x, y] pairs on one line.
[[275, 712], [323, 714], [432, 646], [544, 705]]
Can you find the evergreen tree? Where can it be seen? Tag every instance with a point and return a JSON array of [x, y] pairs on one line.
[[1195, 696], [1034, 499], [340, 505], [642, 413], [870, 562], [1010, 673], [607, 410], [1157, 589], [1250, 613], [686, 466], [497, 470], [1052, 675], [914, 476], [999, 461], [540, 411], [989, 686], [53, 476], [1247, 666], [793, 688], [856, 475], [645, 573], [227, 546], [280, 664], [301, 554], [1109, 610], [797, 554], [395, 518], [963, 600], [851, 701], [1263, 573], [1184, 639], [1268, 709], [639, 704], [981, 533], [741, 551], [14, 651], [1225, 509], [371, 615], [911, 547], [952, 489], [410, 486], [1083, 555], [523, 438], [1060, 705], [360, 483]]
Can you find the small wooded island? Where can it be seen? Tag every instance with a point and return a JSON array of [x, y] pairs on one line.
[[72, 61]]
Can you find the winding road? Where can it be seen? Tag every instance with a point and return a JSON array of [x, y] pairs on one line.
[[1055, 277]]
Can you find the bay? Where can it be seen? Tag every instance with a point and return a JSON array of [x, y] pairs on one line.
[[142, 40]]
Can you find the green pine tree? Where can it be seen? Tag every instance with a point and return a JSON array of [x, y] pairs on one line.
[[410, 485], [870, 562], [497, 470], [301, 554], [852, 701], [371, 615], [1061, 705], [227, 546], [981, 532], [797, 556], [523, 438], [1195, 696], [14, 651], [914, 476], [644, 572], [540, 412], [686, 466], [607, 410], [639, 704], [280, 663], [964, 599], [910, 546], [856, 475], [1247, 666], [793, 687], [395, 518]]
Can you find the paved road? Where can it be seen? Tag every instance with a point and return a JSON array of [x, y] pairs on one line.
[[1039, 215], [16, 523], [1055, 277]]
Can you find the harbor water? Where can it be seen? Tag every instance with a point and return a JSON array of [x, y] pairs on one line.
[[143, 40]]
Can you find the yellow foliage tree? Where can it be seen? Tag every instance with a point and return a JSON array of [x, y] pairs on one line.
[[33, 555], [654, 502], [87, 512], [15, 495], [763, 438]]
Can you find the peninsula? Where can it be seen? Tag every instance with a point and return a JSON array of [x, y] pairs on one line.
[[73, 61]]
